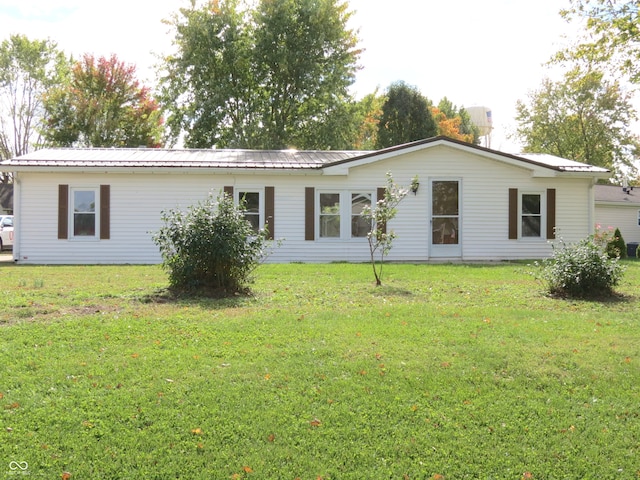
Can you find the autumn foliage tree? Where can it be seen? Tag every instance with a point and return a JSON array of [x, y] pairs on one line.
[[454, 122], [102, 104]]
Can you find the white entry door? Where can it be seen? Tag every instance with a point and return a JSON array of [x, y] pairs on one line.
[[445, 218]]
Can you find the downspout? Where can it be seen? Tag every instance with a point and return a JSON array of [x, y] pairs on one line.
[[591, 214], [17, 207]]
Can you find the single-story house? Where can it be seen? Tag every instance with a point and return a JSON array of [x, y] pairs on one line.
[[619, 207], [473, 203]]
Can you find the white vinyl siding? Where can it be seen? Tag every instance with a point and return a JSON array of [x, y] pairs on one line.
[[624, 217], [136, 200]]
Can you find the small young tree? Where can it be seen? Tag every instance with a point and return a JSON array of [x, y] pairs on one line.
[[380, 238], [211, 248], [616, 247]]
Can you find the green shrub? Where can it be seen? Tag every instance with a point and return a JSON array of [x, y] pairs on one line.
[[616, 248], [584, 269], [210, 249]]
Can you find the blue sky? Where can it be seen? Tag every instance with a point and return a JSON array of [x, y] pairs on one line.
[[487, 52]]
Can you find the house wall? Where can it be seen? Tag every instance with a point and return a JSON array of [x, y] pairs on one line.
[[624, 217], [137, 200]]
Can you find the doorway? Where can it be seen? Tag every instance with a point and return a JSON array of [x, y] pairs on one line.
[[445, 240]]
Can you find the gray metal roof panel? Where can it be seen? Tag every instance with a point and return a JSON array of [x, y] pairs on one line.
[[175, 158]]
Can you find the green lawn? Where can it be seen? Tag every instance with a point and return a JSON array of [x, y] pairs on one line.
[[446, 371]]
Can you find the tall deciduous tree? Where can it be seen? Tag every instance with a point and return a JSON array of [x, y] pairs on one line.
[[406, 117], [27, 69], [612, 35], [102, 104], [584, 118], [272, 76]]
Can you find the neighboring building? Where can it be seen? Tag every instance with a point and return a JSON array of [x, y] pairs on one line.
[[473, 203], [6, 198], [619, 207]]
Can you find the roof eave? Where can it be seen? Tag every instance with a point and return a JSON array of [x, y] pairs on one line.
[[167, 170]]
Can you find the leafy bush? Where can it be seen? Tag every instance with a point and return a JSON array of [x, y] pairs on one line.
[[584, 269], [210, 249]]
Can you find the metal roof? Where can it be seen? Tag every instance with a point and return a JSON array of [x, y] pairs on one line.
[[143, 158], [561, 163], [180, 158]]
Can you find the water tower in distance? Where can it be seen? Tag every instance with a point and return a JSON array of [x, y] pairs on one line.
[[481, 118]]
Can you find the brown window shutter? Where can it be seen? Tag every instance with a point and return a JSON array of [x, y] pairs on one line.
[[269, 211], [309, 213], [105, 212], [63, 212], [380, 196], [513, 214], [228, 190], [551, 214]]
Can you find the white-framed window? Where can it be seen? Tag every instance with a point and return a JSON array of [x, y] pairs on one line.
[[532, 222], [84, 213], [340, 214], [360, 226], [253, 207]]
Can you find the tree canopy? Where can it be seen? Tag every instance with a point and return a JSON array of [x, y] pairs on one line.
[[270, 76], [102, 104], [584, 117], [27, 69], [406, 117], [611, 38]]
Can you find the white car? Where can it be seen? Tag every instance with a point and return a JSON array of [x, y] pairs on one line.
[[6, 232]]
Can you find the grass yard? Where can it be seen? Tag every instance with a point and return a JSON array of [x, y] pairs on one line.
[[445, 372]]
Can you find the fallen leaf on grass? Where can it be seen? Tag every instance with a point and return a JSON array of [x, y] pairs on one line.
[[315, 422], [271, 438], [196, 431], [66, 475], [247, 469]]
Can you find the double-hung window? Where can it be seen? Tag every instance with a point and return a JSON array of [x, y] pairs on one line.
[[84, 221], [360, 225], [252, 206], [531, 215], [330, 215], [340, 214]]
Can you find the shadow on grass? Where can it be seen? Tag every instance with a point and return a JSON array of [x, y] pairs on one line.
[[609, 298], [215, 299], [391, 290]]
